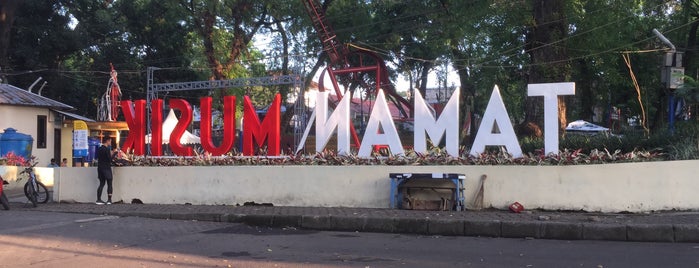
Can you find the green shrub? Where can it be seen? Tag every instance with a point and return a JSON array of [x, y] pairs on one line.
[[682, 145], [588, 143], [531, 144]]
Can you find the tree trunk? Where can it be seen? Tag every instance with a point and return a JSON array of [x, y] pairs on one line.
[[207, 31], [548, 56], [467, 96], [585, 94], [284, 89], [426, 66], [206, 23], [690, 64]]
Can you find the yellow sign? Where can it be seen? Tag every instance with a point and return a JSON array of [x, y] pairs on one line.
[[79, 125]]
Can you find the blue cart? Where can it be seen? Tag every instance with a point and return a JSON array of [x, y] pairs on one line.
[[434, 181]]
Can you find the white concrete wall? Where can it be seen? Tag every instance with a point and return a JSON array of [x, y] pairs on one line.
[[23, 119], [11, 174], [280, 185], [633, 187]]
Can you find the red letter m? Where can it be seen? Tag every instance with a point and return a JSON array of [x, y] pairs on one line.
[[269, 129]]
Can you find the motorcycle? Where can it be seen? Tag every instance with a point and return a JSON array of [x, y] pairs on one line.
[[3, 197]]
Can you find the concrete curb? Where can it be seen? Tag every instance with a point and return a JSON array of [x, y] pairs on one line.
[[483, 228], [686, 232], [451, 227], [600, 231], [650, 232], [659, 227]]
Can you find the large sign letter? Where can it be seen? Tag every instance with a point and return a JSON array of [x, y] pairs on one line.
[[551, 91], [182, 124], [135, 115], [380, 118], [269, 129], [446, 126], [228, 126], [340, 119], [496, 115], [156, 127]]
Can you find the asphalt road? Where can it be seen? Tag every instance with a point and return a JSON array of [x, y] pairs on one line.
[[45, 239]]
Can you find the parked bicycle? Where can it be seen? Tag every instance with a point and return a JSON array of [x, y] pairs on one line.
[[35, 191]]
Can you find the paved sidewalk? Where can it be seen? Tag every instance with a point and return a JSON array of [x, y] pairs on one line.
[[657, 227]]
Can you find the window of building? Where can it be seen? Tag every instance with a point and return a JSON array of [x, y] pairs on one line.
[[41, 122]]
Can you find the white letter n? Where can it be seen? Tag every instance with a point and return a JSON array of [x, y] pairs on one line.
[[339, 119]]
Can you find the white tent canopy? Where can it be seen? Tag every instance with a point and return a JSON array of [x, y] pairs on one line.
[[169, 125], [584, 126]]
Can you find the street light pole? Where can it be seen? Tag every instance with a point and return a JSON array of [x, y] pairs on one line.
[[672, 76]]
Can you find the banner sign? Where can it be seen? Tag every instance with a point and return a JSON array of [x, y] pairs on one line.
[[380, 127], [80, 133]]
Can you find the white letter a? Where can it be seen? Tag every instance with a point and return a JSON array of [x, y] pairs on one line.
[[496, 115]]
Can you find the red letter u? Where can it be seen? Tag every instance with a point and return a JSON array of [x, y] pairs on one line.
[[228, 126]]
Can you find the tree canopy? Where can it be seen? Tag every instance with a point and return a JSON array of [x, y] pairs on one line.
[[71, 43]]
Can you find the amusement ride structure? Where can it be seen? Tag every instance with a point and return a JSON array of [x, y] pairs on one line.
[[353, 69]]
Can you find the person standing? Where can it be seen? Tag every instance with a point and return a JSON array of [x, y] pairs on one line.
[[104, 170], [53, 163], [64, 163]]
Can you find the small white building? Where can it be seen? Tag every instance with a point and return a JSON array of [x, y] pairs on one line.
[[37, 116]]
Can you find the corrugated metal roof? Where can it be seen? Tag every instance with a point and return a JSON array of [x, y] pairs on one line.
[[74, 116], [12, 95]]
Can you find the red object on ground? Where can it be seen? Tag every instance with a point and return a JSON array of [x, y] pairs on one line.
[[516, 207]]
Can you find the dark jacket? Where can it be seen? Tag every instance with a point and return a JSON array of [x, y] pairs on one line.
[[104, 157]]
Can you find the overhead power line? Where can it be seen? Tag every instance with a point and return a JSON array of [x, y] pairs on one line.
[[483, 63]]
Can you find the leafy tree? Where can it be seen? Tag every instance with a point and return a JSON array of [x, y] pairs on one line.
[[604, 29], [7, 19], [412, 34], [486, 48], [231, 23], [70, 44], [39, 42], [133, 35]]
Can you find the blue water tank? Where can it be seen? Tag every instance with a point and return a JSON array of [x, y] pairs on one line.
[[18, 143], [92, 145]]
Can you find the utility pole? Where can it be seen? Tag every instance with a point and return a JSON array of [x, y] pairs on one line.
[[672, 76]]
